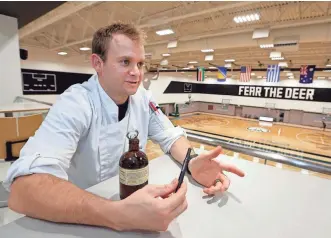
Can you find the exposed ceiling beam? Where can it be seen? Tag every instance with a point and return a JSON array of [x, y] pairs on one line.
[[170, 19], [59, 13]]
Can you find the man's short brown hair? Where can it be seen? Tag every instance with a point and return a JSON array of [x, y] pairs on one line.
[[102, 37]]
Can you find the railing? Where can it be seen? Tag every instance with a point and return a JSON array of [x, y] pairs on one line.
[[20, 99], [319, 167]]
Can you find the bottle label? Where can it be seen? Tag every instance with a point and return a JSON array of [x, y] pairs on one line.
[[133, 177]]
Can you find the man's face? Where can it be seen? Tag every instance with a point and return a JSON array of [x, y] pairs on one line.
[[122, 72]]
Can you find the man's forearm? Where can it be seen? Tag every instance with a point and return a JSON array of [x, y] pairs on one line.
[[179, 149], [49, 198]]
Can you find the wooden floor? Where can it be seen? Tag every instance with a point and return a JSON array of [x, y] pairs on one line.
[[281, 138]]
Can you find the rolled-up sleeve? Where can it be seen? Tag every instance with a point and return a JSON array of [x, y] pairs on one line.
[[161, 130], [53, 145]]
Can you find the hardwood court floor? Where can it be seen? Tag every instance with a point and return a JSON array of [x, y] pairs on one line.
[[281, 137]]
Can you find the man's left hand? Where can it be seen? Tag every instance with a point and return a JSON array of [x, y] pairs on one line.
[[206, 169]]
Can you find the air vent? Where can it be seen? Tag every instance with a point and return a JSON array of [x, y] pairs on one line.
[[285, 44]]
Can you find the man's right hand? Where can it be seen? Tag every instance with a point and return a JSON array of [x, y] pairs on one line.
[[152, 208]]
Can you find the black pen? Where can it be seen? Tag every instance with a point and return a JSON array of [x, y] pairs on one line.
[[184, 169]]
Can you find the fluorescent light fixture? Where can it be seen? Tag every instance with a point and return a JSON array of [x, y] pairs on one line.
[[148, 54], [62, 53], [227, 65], [207, 50], [229, 60], [186, 68], [246, 18], [282, 64], [320, 77], [165, 32], [267, 46], [209, 57], [327, 70], [259, 77], [164, 62], [191, 66], [252, 74], [289, 74], [328, 65], [166, 54], [193, 62], [291, 77], [277, 58], [172, 44], [212, 67], [84, 48], [275, 54]]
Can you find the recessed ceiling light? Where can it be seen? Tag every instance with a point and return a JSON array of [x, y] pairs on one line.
[[246, 18], [84, 48], [229, 60], [165, 32], [166, 54], [62, 53], [193, 62], [207, 50]]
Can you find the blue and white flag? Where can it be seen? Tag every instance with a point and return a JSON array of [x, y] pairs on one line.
[[273, 73], [307, 73]]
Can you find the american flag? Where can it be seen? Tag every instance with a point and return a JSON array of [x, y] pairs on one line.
[[245, 73]]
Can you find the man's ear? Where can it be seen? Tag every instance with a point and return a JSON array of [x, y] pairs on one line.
[[97, 63]]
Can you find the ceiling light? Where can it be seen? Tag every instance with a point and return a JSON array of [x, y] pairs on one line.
[[172, 44], [207, 50], [164, 62], [327, 70], [165, 32], [186, 68], [277, 58], [320, 77], [193, 62], [252, 74], [246, 18], [267, 46], [289, 74], [275, 54], [227, 65], [84, 48], [209, 57], [259, 77], [212, 67], [291, 77], [328, 65], [282, 64], [229, 60], [62, 53], [166, 54]]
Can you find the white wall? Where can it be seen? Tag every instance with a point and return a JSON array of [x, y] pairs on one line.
[[161, 84], [10, 69], [158, 86]]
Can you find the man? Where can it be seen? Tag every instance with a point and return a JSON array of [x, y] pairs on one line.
[[83, 136]]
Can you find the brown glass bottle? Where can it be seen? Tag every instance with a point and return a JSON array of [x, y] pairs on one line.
[[133, 168]]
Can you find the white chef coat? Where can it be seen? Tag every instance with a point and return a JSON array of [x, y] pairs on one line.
[[81, 139]]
